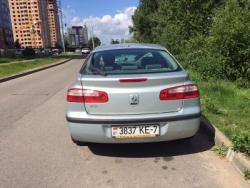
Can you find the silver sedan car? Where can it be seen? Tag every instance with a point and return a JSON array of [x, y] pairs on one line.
[[132, 93]]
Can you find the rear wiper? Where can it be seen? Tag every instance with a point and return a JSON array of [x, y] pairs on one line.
[[97, 71]]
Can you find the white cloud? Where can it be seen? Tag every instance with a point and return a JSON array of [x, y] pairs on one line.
[[109, 27], [75, 21]]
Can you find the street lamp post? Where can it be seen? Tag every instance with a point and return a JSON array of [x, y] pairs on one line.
[[91, 33]]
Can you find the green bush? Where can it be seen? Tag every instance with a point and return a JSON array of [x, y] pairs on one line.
[[10, 53], [29, 52], [225, 52], [230, 33], [243, 82], [247, 173], [241, 142], [210, 37], [198, 57]]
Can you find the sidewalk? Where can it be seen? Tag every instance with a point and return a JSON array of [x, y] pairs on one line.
[[239, 160]]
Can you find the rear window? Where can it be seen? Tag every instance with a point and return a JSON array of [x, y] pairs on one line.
[[131, 61]]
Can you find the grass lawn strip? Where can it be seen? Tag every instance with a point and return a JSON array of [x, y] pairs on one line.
[[225, 105], [20, 67]]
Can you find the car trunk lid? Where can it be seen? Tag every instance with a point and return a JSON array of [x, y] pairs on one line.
[[133, 94]]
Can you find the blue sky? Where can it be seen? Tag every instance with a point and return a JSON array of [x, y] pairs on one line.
[[110, 18]]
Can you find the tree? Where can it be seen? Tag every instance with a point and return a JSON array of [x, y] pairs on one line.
[[229, 35], [66, 43], [29, 52], [97, 42], [131, 40], [81, 44], [143, 20], [172, 23], [58, 46], [112, 41], [224, 51], [17, 44]]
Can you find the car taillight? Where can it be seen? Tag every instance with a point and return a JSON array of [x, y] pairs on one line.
[[86, 96], [180, 92]]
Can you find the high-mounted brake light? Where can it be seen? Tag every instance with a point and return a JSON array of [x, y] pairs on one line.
[[180, 92], [130, 80], [86, 96]]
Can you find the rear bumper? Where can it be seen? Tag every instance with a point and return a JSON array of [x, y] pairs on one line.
[[129, 121], [99, 130]]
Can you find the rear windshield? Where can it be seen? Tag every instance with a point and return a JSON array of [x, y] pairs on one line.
[[131, 61]]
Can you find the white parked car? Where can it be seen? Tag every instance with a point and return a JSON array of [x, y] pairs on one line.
[[86, 50], [78, 50], [2, 51]]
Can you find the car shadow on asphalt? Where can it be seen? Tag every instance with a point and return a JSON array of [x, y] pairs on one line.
[[199, 143]]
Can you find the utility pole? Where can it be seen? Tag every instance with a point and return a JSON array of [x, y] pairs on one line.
[[93, 43], [61, 20]]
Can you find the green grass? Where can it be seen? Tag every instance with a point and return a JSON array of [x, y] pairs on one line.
[[4, 60], [224, 104], [10, 66]]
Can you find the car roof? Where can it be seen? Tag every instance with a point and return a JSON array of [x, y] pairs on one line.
[[128, 46]]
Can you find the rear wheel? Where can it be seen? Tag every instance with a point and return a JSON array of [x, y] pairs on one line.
[[79, 143]]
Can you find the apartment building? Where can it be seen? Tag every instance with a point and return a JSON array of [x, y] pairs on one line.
[[77, 36], [54, 24], [35, 23], [6, 35]]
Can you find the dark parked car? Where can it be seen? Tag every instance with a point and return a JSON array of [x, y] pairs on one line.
[[55, 51], [19, 51], [47, 51]]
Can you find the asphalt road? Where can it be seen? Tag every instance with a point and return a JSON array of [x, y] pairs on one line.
[[36, 150]]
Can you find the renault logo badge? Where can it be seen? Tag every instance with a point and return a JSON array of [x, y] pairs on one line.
[[134, 99]]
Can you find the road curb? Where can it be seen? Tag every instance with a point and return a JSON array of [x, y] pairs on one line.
[[31, 71], [237, 159]]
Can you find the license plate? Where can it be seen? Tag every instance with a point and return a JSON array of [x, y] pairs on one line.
[[145, 131]]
